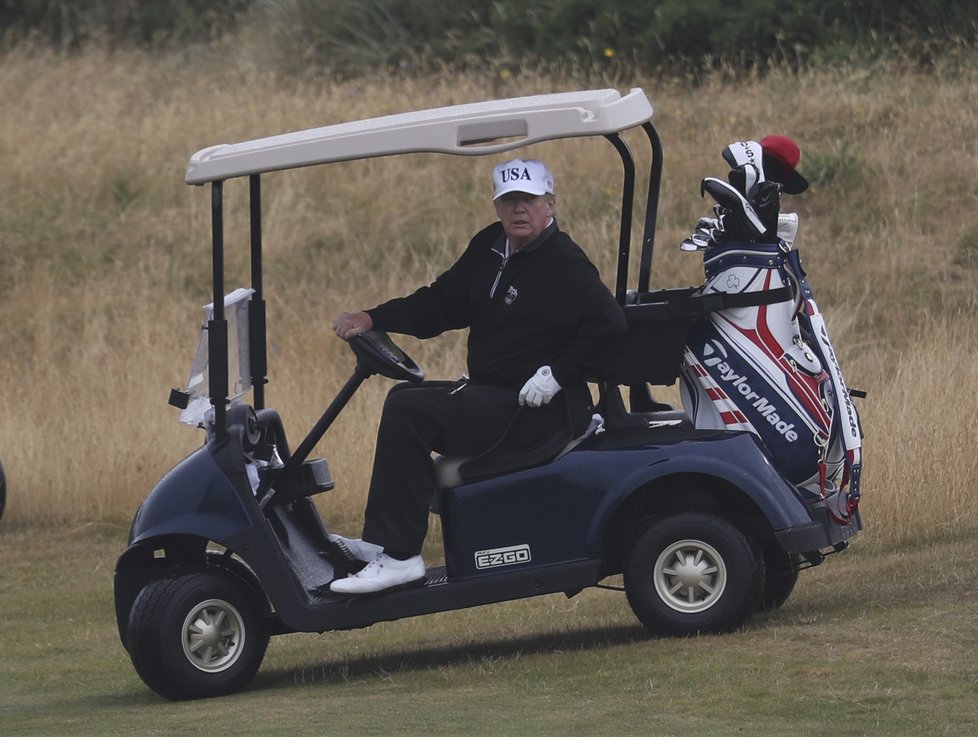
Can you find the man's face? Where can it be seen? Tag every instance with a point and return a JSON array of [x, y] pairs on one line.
[[524, 216]]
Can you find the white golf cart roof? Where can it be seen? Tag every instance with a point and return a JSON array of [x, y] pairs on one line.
[[473, 129]]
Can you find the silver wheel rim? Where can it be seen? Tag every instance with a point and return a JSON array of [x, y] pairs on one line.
[[213, 636], [690, 576]]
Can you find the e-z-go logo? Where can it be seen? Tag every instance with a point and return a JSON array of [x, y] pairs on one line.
[[502, 556]]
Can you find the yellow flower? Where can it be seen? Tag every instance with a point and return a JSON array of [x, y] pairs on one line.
[[609, 53]]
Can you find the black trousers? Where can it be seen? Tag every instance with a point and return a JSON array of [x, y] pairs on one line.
[[445, 417]]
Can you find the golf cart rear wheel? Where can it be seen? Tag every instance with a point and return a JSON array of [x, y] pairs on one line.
[[693, 573], [780, 576], [197, 635]]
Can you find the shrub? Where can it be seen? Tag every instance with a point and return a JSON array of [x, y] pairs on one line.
[[70, 23], [357, 36], [354, 35]]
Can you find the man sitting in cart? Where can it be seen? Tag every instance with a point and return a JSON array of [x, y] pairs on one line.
[[541, 322]]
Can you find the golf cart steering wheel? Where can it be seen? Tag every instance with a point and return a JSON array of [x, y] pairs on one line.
[[377, 354]]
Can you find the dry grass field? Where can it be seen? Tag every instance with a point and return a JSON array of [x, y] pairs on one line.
[[104, 264], [104, 257]]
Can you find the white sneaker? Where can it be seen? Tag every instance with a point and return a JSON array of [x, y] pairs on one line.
[[356, 549], [383, 572]]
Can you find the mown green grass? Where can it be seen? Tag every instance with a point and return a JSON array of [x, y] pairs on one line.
[[871, 643]]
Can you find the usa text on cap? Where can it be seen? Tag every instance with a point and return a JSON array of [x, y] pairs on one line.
[[531, 176]]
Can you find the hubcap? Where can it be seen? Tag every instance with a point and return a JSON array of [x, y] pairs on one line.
[[213, 636], [690, 576]]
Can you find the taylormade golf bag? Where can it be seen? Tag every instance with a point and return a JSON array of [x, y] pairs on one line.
[[764, 363]]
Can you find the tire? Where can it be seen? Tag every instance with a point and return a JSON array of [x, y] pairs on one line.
[[693, 573], [780, 577], [3, 491], [196, 635]]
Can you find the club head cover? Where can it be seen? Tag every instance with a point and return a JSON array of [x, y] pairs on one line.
[[766, 200], [742, 153], [788, 227], [740, 220], [745, 178]]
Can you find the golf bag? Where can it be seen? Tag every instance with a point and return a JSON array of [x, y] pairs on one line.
[[768, 367]]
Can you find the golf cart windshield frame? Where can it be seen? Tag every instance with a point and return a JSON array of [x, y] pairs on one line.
[[474, 129]]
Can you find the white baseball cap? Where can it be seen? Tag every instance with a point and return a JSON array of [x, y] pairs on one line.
[[531, 176]]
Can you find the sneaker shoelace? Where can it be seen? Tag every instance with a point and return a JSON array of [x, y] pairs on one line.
[[375, 563]]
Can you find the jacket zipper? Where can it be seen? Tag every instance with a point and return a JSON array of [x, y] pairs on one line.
[[499, 274]]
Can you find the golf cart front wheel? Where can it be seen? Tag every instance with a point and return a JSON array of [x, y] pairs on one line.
[[196, 636], [693, 573]]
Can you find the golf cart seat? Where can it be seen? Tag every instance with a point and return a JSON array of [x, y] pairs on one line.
[[522, 445], [452, 471], [652, 353], [658, 323]]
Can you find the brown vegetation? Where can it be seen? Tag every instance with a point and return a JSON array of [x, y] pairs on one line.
[[104, 256]]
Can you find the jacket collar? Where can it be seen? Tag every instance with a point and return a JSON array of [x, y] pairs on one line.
[[500, 245]]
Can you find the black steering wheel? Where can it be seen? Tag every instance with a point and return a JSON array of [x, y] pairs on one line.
[[377, 354]]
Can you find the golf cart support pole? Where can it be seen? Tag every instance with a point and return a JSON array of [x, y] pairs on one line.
[[256, 308], [651, 207], [217, 327], [627, 195]]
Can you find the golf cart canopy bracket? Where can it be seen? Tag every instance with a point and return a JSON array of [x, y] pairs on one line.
[[474, 129]]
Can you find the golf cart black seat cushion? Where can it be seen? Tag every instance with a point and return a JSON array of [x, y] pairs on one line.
[[536, 435], [448, 472], [652, 350], [659, 322]]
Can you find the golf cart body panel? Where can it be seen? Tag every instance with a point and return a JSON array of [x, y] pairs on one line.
[[196, 498], [237, 512], [563, 510], [537, 531]]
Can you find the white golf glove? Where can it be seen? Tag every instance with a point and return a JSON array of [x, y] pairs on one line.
[[540, 389]]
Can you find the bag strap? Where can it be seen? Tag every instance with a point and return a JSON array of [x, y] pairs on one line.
[[756, 299], [701, 303], [845, 419]]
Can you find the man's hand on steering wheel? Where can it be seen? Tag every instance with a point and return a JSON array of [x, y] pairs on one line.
[[350, 324]]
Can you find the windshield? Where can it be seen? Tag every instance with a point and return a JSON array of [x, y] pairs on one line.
[[198, 411]]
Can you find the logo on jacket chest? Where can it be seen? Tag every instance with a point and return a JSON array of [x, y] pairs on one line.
[[511, 295]]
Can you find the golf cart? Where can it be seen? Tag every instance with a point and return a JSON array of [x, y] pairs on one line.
[[229, 549]]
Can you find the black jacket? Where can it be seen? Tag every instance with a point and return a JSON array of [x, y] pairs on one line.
[[545, 305]]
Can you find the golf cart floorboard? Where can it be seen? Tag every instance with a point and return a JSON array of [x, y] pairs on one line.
[[302, 541], [438, 594], [434, 576]]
